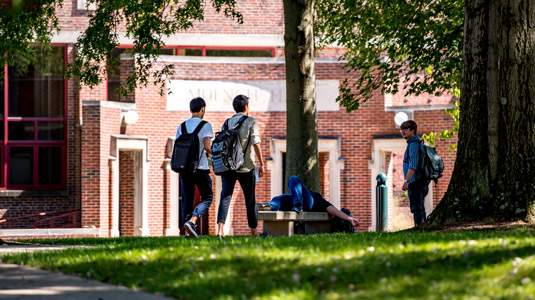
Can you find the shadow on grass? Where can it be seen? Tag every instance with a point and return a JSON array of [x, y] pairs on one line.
[[308, 267]]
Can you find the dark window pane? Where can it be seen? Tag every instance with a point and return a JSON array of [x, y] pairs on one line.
[[2, 91], [50, 165], [21, 131], [36, 89], [190, 52], [168, 52], [113, 69], [239, 53], [21, 166], [50, 131]]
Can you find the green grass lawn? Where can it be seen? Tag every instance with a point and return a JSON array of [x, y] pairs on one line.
[[402, 265]]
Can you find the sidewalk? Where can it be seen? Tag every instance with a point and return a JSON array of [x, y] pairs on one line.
[[18, 282]]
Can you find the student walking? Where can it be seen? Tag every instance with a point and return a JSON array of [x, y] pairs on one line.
[[417, 187], [245, 175], [199, 177]]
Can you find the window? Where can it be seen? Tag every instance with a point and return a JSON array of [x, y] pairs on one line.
[[226, 52], [33, 149]]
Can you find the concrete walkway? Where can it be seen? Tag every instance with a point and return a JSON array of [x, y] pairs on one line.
[[18, 282]]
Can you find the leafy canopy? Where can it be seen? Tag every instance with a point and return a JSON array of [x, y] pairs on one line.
[[417, 43], [147, 23], [24, 23]]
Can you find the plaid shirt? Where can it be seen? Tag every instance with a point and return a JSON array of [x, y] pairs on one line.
[[411, 157]]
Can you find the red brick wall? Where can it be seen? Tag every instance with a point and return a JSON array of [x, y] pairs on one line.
[[126, 193], [355, 129]]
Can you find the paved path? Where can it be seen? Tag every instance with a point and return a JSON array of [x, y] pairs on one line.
[[18, 282]]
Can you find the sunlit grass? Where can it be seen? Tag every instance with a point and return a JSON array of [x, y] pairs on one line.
[[402, 265]]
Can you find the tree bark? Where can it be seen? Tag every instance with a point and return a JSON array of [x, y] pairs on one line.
[[301, 123], [493, 178]]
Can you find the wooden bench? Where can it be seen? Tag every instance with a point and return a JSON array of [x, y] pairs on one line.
[[288, 223]]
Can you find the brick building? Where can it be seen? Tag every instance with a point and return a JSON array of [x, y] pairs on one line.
[[102, 161]]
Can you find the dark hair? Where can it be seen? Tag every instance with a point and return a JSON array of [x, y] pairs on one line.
[[196, 104], [240, 102], [410, 124]]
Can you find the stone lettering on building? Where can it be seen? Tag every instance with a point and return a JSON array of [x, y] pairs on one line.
[[269, 95]]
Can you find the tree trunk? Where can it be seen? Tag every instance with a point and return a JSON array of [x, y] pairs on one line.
[[301, 124], [494, 172]]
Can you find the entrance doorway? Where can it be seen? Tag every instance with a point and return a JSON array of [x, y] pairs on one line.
[[129, 182], [387, 158]]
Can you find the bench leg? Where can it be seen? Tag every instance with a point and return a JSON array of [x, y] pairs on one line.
[[279, 228]]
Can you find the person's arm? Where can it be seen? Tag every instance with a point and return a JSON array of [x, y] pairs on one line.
[[258, 152], [410, 173], [413, 163], [340, 214], [207, 146]]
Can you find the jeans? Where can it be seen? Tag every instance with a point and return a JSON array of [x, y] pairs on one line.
[[417, 192], [299, 197], [247, 182], [201, 179]]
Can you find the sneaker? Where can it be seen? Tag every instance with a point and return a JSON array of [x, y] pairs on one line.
[[297, 209], [263, 207], [191, 229]]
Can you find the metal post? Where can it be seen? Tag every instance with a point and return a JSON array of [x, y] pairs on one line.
[[381, 203]]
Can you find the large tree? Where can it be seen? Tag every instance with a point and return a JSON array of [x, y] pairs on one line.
[[494, 175], [301, 122], [390, 41]]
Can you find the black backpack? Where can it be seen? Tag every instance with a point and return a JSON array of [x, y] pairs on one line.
[[186, 150], [227, 153], [340, 225], [430, 164]]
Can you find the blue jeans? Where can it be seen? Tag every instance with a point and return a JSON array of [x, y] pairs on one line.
[[299, 197], [417, 192], [201, 179]]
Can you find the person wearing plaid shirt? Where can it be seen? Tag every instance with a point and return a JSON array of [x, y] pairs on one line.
[[417, 188]]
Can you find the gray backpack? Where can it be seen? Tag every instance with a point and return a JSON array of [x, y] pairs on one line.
[[227, 153]]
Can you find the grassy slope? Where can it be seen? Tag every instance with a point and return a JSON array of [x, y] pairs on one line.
[[403, 265]]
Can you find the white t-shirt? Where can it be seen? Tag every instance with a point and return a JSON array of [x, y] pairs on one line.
[[206, 131]]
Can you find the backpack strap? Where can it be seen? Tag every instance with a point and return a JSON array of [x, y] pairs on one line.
[[240, 122], [184, 130], [199, 127]]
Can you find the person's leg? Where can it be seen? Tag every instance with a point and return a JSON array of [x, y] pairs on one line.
[[300, 195], [282, 202], [415, 200], [247, 183], [187, 186], [228, 180], [204, 184]]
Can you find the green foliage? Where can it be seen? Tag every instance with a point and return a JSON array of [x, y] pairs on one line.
[[24, 23], [401, 265], [446, 134], [390, 43], [147, 23]]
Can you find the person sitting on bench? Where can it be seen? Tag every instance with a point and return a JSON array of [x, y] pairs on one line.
[[301, 199]]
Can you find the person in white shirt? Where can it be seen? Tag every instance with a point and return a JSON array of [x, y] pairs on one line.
[[201, 177]]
